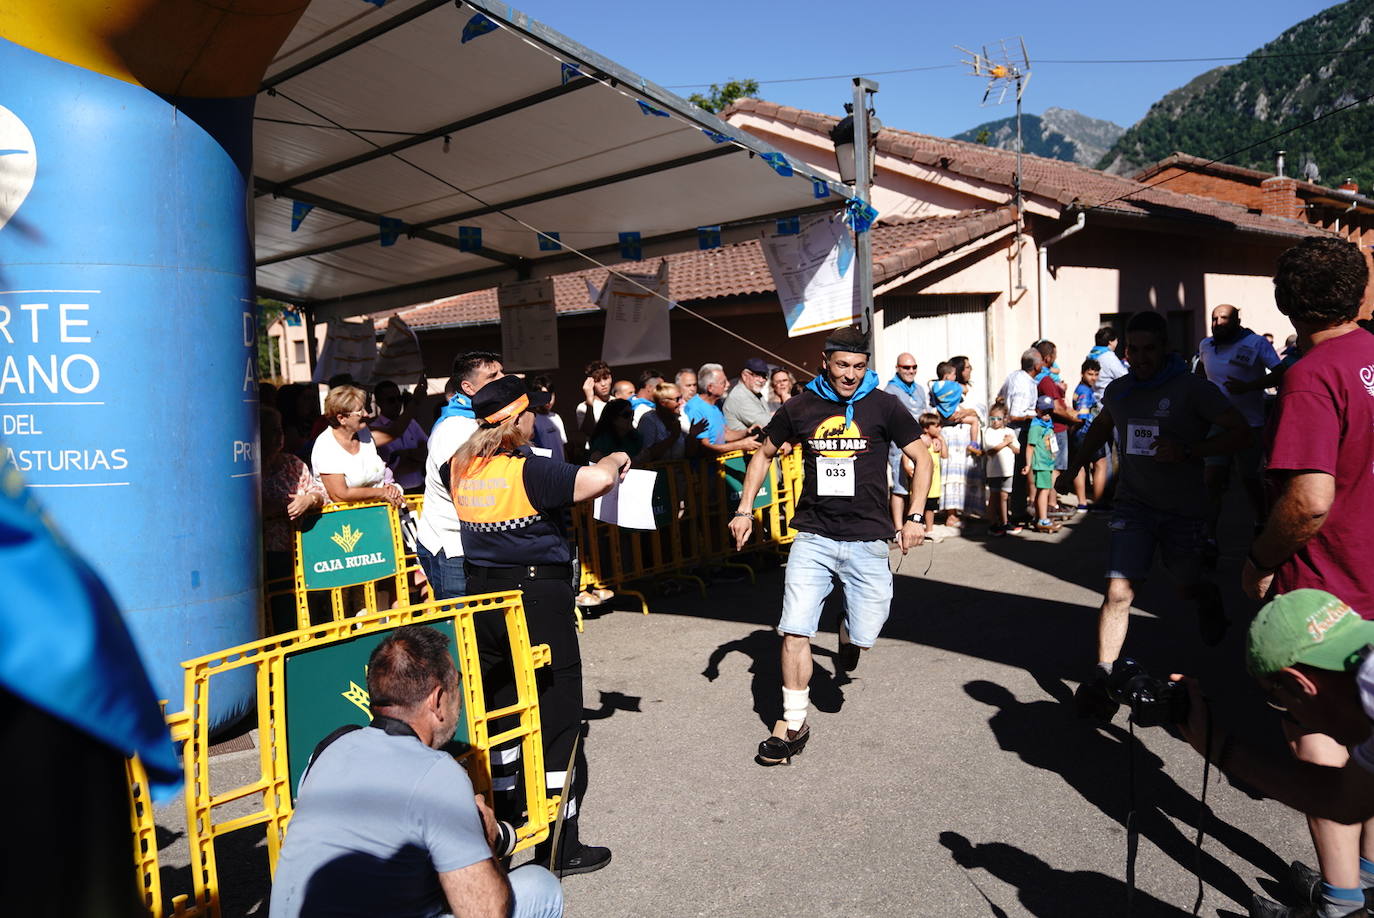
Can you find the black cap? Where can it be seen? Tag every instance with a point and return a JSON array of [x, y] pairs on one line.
[[847, 339], [756, 366], [495, 396]]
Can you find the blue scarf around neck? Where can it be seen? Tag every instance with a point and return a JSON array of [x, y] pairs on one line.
[[821, 386], [636, 402], [460, 406], [908, 389]]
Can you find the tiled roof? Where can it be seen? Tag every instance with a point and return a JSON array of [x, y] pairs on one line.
[[1062, 182], [1240, 174], [731, 270]]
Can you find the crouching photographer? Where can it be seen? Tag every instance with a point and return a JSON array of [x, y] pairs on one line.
[[1312, 655]]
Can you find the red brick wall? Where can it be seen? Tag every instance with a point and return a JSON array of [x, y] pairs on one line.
[[1279, 198], [1185, 181]]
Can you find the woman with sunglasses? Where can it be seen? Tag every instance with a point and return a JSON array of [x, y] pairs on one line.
[[344, 456]]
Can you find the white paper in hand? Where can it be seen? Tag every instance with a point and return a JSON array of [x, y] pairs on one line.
[[630, 504]]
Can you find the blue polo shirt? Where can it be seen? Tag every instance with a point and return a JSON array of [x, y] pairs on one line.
[[698, 409]]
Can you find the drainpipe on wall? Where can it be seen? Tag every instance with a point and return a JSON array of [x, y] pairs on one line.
[[1043, 268]]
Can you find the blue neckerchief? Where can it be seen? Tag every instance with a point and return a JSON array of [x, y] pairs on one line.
[[1173, 366], [636, 401], [460, 406], [1050, 371], [1097, 351], [909, 390], [821, 386]]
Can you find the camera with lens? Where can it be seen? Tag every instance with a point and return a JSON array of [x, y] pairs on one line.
[[1154, 702]]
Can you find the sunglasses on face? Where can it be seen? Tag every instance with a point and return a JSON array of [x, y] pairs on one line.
[[906, 366]]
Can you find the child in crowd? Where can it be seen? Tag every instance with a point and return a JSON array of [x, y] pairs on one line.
[[947, 396], [1086, 408], [930, 437], [1041, 447], [1000, 445]]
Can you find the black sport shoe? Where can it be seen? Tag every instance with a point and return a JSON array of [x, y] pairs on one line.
[[586, 859], [1306, 884], [1091, 700], [1261, 907]]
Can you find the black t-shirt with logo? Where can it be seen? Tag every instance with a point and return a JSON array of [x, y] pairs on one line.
[[826, 442]]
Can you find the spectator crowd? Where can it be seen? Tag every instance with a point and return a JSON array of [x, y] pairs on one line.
[[1139, 431]]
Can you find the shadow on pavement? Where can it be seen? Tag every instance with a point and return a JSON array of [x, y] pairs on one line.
[[1047, 892], [1094, 762], [612, 702], [764, 648]]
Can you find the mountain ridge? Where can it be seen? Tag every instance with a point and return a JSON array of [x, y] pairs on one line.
[[1277, 88], [1058, 133]]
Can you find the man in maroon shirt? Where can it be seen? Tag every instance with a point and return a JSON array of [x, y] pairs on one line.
[[1321, 464]]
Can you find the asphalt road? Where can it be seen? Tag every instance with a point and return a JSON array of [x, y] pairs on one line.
[[947, 778]]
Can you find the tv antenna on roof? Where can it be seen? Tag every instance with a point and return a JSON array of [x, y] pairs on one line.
[[1005, 64]]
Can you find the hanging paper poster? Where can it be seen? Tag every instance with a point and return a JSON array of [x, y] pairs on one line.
[[349, 347], [814, 273], [636, 318], [399, 360], [529, 325]]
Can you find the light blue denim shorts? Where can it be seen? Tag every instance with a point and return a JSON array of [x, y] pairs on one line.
[[812, 565]]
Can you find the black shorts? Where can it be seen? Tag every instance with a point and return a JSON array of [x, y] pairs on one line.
[[932, 503]]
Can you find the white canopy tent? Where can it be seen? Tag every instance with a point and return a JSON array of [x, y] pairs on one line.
[[396, 113]]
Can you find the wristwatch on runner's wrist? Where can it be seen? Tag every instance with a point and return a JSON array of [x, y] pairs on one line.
[[913, 517]]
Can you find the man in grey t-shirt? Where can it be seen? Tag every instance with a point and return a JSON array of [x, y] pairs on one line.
[[744, 408], [387, 823], [1162, 415]]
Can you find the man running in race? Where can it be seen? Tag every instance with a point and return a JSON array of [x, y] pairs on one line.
[[844, 424], [1162, 415]]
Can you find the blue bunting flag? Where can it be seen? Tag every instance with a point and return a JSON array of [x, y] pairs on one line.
[[779, 163], [469, 238], [630, 247], [860, 215], [476, 27], [548, 242], [298, 211], [820, 189], [646, 109], [391, 227], [789, 226], [708, 237]]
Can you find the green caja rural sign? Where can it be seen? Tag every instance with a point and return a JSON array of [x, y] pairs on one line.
[[348, 547], [326, 688]]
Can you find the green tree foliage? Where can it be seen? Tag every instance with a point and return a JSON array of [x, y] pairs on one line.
[[268, 312], [1276, 88], [718, 97]]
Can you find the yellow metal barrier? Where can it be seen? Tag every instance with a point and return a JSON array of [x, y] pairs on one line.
[[693, 504], [283, 746]]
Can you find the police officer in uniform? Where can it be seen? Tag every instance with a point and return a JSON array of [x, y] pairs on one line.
[[510, 505]]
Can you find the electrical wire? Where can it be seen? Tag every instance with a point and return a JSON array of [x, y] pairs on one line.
[[1226, 156], [1094, 61]]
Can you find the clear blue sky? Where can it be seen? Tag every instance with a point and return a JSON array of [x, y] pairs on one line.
[[714, 41]]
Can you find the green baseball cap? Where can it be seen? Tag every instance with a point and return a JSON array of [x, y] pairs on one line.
[[1306, 626]]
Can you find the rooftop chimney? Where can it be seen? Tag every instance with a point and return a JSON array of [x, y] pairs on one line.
[[1278, 164]]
